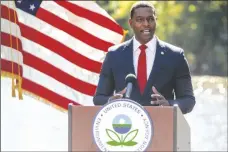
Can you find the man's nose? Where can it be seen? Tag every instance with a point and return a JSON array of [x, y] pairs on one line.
[[145, 23]]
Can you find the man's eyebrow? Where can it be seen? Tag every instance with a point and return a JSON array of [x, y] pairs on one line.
[[144, 16]]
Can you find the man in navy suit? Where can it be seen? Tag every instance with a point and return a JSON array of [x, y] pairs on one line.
[[163, 76]]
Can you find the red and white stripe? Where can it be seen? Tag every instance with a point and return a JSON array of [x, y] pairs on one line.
[[63, 48], [11, 46]]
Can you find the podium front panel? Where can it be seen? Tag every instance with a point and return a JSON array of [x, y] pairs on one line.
[[163, 126], [164, 120]]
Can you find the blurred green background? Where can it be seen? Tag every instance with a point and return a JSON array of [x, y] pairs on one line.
[[199, 27]]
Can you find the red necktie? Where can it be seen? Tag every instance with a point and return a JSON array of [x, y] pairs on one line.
[[142, 75]]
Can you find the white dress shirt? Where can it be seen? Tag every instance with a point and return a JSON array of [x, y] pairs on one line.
[[150, 54]]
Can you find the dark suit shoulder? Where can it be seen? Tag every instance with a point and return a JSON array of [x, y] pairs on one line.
[[115, 51], [119, 47], [171, 48]]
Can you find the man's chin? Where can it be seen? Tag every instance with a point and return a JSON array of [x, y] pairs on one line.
[[146, 39], [143, 39]]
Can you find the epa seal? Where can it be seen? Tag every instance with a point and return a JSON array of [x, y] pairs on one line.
[[122, 125]]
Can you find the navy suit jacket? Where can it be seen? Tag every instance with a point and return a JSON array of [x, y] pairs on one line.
[[170, 75]]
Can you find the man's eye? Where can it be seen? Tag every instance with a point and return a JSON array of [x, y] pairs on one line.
[[151, 19], [139, 20]]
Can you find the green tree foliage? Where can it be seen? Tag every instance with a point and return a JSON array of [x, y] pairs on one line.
[[204, 36], [199, 27]]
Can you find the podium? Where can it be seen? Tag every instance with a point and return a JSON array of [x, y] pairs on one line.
[[171, 130]]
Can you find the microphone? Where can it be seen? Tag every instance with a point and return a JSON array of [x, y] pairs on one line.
[[130, 81]]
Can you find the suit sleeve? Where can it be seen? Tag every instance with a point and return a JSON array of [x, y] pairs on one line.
[[105, 86], [183, 86]]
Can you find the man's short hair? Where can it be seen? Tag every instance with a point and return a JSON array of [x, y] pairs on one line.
[[142, 4]]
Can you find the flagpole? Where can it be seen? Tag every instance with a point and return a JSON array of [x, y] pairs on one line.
[[19, 72]]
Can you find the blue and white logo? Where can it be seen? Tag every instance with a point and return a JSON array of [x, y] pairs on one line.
[[122, 125]]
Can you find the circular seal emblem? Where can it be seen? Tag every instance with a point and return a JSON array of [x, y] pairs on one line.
[[122, 125]]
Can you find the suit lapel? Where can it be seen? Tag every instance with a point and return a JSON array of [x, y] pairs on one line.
[[128, 57], [156, 69]]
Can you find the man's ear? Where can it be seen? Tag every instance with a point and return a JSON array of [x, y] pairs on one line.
[[130, 22], [156, 18]]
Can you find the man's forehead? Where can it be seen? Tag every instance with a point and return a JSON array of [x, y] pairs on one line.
[[143, 11]]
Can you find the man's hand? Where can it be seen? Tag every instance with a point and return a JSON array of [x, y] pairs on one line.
[[118, 95], [158, 99]]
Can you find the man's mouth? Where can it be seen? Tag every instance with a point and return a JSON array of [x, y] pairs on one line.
[[146, 31]]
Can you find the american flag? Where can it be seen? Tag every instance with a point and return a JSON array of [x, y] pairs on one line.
[[60, 49]]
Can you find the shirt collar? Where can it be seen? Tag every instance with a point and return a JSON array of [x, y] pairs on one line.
[[151, 44]]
